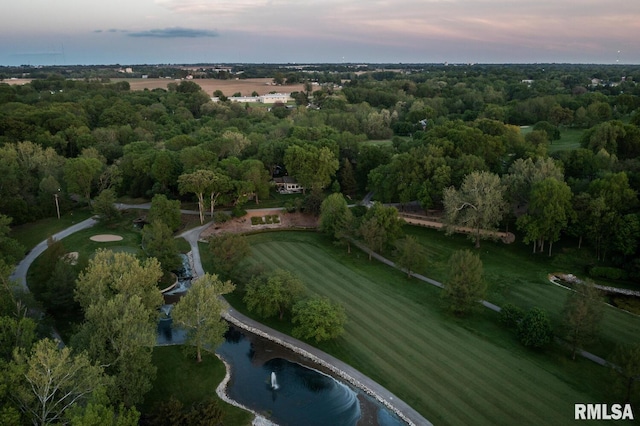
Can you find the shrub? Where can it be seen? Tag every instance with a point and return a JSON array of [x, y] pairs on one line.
[[511, 315], [256, 220], [608, 273], [534, 331], [220, 217], [238, 211]]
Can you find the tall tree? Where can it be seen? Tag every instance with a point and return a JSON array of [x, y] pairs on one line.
[[336, 218], [110, 273], [119, 333], [583, 311], [80, 173], [465, 285], [158, 242], [625, 364], [199, 183], [411, 254], [273, 294], [166, 211], [53, 380], [347, 178], [478, 205], [548, 214], [228, 251], [313, 167], [198, 312], [104, 206]]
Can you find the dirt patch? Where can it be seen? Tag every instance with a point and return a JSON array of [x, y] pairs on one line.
[[243, 224], [105, 238]]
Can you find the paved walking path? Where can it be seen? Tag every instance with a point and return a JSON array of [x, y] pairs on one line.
[[345, 371]]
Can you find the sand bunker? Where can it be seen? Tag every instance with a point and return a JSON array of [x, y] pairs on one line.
[[71, 258], [105, 238]]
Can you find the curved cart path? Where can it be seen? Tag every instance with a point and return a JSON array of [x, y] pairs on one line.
[[341, 369], [345, 371]]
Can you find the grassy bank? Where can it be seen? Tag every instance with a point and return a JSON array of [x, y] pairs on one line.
[[453, 371], [190, 382], [31, 234]]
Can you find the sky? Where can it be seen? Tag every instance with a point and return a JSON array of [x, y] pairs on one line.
[[127, 32]]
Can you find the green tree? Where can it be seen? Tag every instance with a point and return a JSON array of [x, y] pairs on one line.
[[96, 414], [347, 178], [104, 206], [80, 173], [319, 319], [198, 312], [336, 219], [110, 273], [465, 285], [549, 213], [411, 255], [313, 167], [119, 333], [254, 171], [582, 314], [478, 205], [273, 294], [228, 251], [534, 330], [52, 380], [199, 183], [380, 227], [158, 242], [16, 332], [625, 366], [166, 211]]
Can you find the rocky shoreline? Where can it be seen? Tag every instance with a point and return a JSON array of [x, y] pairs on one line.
[[334, 370]]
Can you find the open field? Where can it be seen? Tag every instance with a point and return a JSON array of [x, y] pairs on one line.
[[247, 86], [452, 371]]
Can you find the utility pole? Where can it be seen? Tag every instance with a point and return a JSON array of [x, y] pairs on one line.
[[57, 203]]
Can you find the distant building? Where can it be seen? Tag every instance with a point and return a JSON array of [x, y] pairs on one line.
[[271, 98], [287, 185]]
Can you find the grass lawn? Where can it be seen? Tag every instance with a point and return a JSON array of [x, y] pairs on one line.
[[31, 234], [453, 371], [515, 275], [275, 199], [569, 140], [190, 382]]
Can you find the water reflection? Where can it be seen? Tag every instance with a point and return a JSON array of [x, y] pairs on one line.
[[302, 396]]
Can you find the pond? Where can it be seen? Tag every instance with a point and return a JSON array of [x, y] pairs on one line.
[[285, 387]]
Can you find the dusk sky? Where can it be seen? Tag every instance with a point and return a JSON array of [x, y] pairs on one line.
[[67, 32]]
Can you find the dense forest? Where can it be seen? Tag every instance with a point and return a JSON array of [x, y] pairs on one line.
[[413, 134], [79, 137]]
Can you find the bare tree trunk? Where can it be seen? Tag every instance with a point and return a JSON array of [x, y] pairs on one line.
[[550, 245], [580, 242], [198, 355]]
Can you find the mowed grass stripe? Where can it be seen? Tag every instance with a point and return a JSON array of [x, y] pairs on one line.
[[387, 359], [308, 261], [381, 347], [306, 258]]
